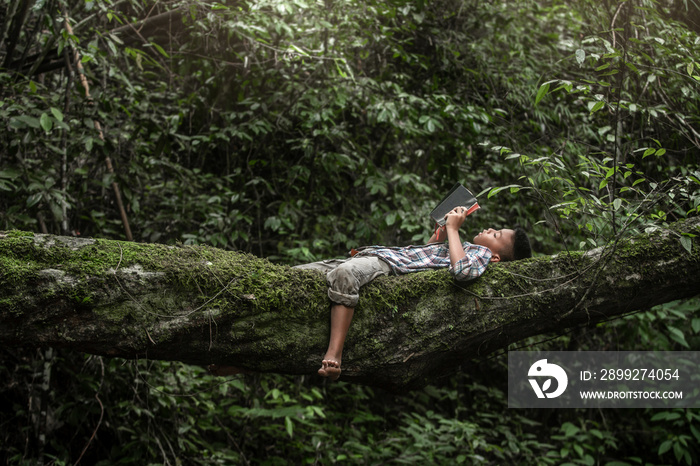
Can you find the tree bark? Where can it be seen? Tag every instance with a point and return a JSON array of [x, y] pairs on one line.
[[202, 305]]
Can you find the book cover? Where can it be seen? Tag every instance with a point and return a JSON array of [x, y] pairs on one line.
[[456, 197]]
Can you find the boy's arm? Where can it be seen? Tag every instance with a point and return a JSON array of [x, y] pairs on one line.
[[439, 236], [464, 266], [473, 265], [454, 220]]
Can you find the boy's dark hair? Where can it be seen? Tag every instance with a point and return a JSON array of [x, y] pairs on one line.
[[520, 248], [521, 244]]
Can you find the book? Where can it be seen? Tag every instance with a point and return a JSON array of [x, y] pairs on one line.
[[456, 197]]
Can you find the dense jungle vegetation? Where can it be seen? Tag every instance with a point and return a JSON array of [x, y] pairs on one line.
[[295, 130]]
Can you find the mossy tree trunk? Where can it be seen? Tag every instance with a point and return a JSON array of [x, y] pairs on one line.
[[202, 305]]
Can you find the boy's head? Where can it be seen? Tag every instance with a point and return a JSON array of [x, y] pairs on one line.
[[506, 244]]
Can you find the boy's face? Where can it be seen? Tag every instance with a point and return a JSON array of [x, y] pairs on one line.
[[496, 240]]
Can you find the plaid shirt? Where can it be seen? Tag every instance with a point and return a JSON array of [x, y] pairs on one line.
[[433, 256]]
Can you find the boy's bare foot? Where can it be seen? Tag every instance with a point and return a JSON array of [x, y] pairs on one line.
[[221, 371], [330, 368]]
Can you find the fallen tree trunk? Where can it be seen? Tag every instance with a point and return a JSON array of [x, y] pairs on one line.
[[202, 305]]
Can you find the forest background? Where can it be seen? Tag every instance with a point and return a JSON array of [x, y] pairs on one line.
[[295, 130]]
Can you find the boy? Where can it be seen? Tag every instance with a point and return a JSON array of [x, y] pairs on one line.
[[465, 261]]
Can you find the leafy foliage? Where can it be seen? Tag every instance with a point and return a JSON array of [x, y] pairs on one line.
[[296, 130], [167, 412]]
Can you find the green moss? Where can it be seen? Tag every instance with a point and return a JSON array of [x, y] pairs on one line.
[[15, 233]]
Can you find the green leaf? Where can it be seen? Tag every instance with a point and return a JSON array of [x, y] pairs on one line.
[[289, 425], [677, 336], [632, 67], [46, 122], [160, 49], [695, 324], [678, 451], [665, 446], [10, 173], [544, 88], [598, 105], [580, 56], [33, 199], [495, 191], [687, 243], [570, 429], [696, 432], [27, 120], [57, 114]]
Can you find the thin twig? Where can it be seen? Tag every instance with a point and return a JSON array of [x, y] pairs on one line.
[[235, 444], [99, 422], [100, 133], [612, 23]]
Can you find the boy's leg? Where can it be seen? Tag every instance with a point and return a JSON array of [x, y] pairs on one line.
[[341, 317], [322, 266], [344, 286]]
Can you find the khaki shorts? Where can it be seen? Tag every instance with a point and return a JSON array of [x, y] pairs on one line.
[[346, 276]]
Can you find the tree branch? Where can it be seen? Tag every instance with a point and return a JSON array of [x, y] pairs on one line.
[[202, 305]]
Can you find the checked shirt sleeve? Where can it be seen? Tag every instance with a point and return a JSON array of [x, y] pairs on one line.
[[473, 264]]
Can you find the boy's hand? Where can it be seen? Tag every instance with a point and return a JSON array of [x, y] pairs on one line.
[[455, 218]]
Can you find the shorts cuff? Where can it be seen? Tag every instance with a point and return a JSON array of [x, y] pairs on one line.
[[349, 300]]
